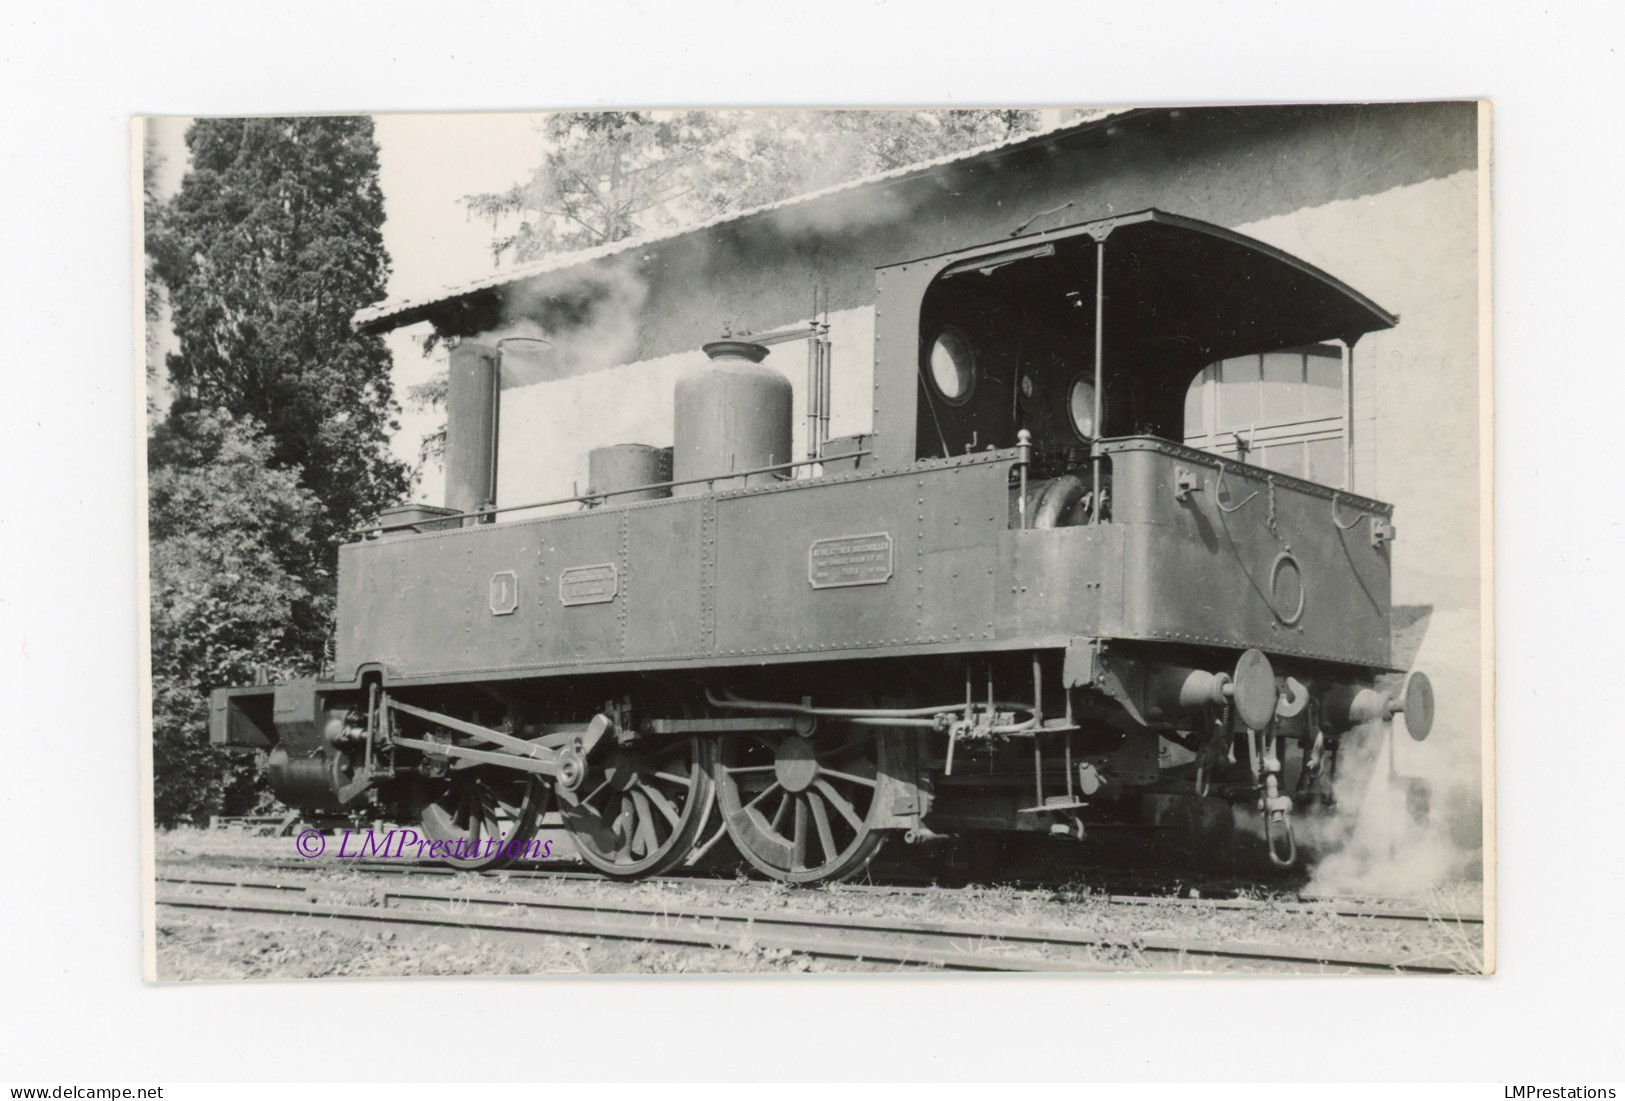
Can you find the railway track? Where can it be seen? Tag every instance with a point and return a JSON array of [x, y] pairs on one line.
[[951, 945], [1309, 904]]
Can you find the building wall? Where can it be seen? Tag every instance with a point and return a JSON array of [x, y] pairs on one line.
[[1416, 386]]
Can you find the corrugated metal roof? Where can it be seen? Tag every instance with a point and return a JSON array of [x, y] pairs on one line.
[[393, 313]]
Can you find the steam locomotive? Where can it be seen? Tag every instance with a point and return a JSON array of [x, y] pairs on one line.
[[1020, 603]]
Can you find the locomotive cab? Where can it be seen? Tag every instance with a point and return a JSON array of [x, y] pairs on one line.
[[1074, 349], [1093, 332]]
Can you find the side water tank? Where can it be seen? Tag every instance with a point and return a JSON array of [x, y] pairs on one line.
[[733, 414], [625, 466]]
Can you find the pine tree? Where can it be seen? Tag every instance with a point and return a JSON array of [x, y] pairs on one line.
[[272, 243]]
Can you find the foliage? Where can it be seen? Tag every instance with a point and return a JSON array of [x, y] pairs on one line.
[[430, 395], [271, 245], [277, 437], [230, 544], [604, 177], [774, 155], [153, 303], [607, 175]]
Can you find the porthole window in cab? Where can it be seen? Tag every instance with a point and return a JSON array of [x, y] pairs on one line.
[[953, 367], [1282, 411], [1081, 405]]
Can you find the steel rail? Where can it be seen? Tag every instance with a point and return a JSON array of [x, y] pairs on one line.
[[1334, 909], [1052, 936], [243, 884], [814, 934], [1310, 904], [597, 929]]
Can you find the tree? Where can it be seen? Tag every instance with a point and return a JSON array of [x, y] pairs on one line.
[[277, 437], [230, 546], [608, 175], [774, 155], [426, 396], [605, 176], [151, 211], [272, 243]]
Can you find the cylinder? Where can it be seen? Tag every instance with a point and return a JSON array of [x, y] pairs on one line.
[[308, 770], [732, 414], [625, 466], [472, 389]]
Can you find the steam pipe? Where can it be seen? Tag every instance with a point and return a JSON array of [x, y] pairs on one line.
[[1024, 459], [1348, 414], [825, 389], [496, 434], [812, 397], [736, 703], [814, 393], [823, 394], [490, 501], [1100, 374]]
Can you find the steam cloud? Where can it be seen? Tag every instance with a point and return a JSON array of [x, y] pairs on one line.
[[588, 325], [1409, 818]]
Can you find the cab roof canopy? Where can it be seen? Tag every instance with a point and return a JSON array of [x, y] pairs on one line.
[[1181, 292]]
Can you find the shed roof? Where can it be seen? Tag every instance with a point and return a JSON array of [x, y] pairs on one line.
[[395, 313]]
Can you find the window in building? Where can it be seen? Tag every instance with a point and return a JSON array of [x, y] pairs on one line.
[[1281, 410]]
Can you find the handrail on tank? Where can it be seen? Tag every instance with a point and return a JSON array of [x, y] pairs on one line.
[[378, 529]]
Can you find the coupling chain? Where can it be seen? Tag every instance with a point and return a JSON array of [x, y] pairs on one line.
[[1274, 806]]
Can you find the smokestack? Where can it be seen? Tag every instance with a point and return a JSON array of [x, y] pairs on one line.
[[473, 386]]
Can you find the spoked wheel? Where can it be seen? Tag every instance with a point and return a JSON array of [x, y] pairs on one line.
[[802, 809], [636, 811], [487, 813]]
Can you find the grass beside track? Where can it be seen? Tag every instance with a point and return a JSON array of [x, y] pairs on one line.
[[198, 945]]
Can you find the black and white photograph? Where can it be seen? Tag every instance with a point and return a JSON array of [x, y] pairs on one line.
[[746, 540], [869, 549]]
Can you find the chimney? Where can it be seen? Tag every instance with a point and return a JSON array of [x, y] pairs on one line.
[[473, 389]]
